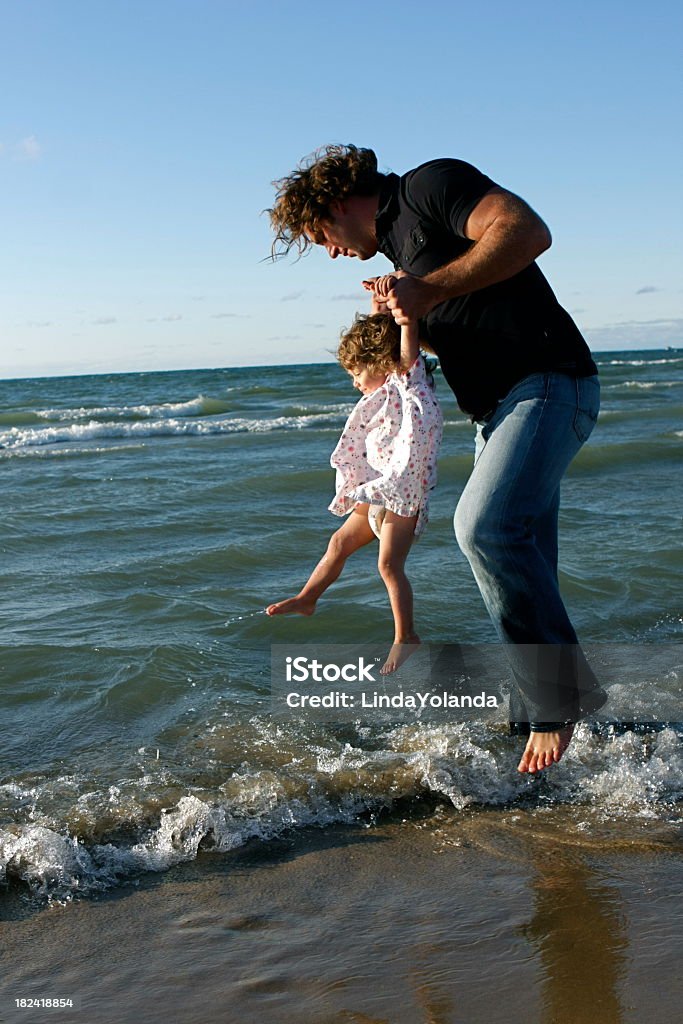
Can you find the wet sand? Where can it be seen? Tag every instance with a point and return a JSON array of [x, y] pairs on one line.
[[450, 918]]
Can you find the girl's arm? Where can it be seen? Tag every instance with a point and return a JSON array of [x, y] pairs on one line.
[[410, 345]]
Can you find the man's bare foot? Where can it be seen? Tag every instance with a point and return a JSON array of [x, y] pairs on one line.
[[544, 749], [292, 606], [400, 652]]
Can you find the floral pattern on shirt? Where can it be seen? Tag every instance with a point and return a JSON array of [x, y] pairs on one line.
[[386, 455]]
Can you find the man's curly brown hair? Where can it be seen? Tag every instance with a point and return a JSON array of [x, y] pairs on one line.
[[374, 341], [304, 197]]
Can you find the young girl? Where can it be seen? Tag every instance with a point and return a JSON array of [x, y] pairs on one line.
[[386, 466]]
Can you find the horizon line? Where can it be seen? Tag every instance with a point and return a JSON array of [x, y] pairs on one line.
[[265, 366]]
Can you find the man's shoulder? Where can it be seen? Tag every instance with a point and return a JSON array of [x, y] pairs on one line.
[[433, 171], [443, 184], [444, 192]]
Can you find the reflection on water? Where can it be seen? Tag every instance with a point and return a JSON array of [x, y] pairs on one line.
[[578, 924], [580, 934]]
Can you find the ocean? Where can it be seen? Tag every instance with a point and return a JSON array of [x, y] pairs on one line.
[[148, 518]]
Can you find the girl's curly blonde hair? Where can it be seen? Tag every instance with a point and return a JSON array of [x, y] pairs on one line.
[[374, 341], [304, 197]]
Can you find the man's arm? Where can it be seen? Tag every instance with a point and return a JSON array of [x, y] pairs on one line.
[[508, 237]]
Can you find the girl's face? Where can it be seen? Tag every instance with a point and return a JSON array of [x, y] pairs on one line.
[[366, 380]]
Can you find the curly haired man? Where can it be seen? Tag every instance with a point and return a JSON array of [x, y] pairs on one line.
[[464, 252]]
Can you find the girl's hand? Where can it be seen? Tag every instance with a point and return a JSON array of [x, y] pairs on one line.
[[406, 297], [381, 286]]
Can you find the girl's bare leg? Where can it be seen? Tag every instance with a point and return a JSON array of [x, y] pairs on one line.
[[354, 534], [395, 541]]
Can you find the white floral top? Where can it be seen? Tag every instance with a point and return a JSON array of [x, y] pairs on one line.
[[386, 455]]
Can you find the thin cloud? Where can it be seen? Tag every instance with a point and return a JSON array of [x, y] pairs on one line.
[[662, 322], [39, 323], [232, 316], [28, 149], [355, 296], [646, 333], [172, 317], [104, 320], [291, 296], [647, 290]]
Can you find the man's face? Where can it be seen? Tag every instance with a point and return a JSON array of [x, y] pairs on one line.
[[347, 232]]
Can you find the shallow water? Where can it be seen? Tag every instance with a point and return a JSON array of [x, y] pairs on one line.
[[148, 518], [437, 918]]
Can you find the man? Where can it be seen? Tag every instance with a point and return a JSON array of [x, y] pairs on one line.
[[464, 251]]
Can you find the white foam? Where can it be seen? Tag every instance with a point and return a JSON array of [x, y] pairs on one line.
[[49, 862], [643, 384], [639, 776], [201, 405], [638, 362], [95, 431]]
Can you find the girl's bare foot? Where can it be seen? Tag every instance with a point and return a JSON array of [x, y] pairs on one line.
[[292, 606], [544, 749], [400, 652]]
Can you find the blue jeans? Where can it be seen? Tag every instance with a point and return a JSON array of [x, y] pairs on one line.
[[506, 524]]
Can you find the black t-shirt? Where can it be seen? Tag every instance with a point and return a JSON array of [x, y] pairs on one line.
[[489, 339]]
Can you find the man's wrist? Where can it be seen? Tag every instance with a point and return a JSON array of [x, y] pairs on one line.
[[435, 292]]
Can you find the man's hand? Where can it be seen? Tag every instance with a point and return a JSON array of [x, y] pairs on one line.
[[411, 298], [507, 237]]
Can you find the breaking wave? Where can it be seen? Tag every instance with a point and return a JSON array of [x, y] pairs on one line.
[[109, 836]]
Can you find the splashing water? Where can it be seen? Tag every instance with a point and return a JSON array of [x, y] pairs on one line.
[[239, 618]]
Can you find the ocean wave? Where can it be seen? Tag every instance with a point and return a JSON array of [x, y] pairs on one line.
[[93, 430], [628, 413], [637, 453], [202, 405], [113, 834], [68, 452], [643, 384], [638, 362]]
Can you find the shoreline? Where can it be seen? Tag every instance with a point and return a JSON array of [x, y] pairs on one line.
[[489, 915]]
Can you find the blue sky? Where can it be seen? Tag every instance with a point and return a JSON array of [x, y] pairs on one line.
[[138, 141]]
